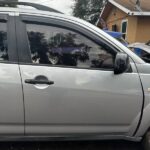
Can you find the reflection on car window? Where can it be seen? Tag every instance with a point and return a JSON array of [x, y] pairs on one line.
[[3, 42], [58, 46]]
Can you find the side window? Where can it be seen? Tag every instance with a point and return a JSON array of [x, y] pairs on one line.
[[59, 46], [3, 42]]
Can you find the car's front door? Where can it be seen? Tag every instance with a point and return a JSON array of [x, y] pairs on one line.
[[11, 97], [69, 84]]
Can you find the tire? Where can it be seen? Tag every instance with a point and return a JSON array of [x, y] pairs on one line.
[[146, 141]]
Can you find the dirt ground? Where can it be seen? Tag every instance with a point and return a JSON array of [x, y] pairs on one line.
[[95, 145]]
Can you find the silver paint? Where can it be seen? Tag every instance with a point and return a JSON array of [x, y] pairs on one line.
[[11, 101], [81, 101]]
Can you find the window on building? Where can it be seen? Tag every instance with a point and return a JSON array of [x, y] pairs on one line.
[[59, 46], [124, 28], [114, 28]]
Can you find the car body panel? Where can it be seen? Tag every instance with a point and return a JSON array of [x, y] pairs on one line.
[[11, 101], [66, 120], [80, 101], [144, 72]]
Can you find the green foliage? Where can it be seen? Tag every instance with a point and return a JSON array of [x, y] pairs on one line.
[[88, 10], [80, 8]]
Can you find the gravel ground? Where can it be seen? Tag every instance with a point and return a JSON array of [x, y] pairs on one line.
[[103, 145]]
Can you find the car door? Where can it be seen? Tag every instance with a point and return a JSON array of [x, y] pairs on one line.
[[69, 83], [11, 97]]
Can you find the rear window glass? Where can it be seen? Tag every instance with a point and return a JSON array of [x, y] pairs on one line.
[[3, 42]]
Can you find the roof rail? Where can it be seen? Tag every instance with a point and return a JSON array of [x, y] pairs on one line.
[[37, 6]]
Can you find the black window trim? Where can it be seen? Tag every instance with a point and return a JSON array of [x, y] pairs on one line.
[[23, 19], [3, 17], [11, 34]]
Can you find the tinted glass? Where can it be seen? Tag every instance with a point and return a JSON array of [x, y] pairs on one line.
[[3, 42], [58, 46]]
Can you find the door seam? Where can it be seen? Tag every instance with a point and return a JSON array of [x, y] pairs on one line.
[[15, 18], [143, 103]]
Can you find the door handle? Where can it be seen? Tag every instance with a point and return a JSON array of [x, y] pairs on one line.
[[34, 81], [39, 80]]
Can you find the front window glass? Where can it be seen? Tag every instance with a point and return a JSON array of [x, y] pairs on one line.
[[59, 46]]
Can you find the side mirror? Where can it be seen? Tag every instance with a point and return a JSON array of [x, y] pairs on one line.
[[122, 63]]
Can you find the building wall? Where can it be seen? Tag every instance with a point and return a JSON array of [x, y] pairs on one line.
[[115, 17], [143, 29], [138, 29], [132, 29]]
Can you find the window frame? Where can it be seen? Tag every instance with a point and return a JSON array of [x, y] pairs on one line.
[[11, 34], [25, 50], [124, 21]]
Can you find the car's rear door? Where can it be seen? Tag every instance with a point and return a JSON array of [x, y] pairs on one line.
[[69, 84], [11, 96]]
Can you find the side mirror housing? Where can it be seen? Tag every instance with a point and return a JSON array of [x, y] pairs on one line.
[[122, 63]]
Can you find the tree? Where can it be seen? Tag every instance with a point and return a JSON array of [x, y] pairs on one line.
[[88, 10], [80, 9]]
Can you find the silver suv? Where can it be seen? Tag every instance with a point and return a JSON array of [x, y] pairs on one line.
[[63, 78]]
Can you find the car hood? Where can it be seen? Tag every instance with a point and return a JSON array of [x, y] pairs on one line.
[[143, 68]]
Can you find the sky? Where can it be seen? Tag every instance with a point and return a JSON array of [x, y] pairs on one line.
[[64, 6]]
